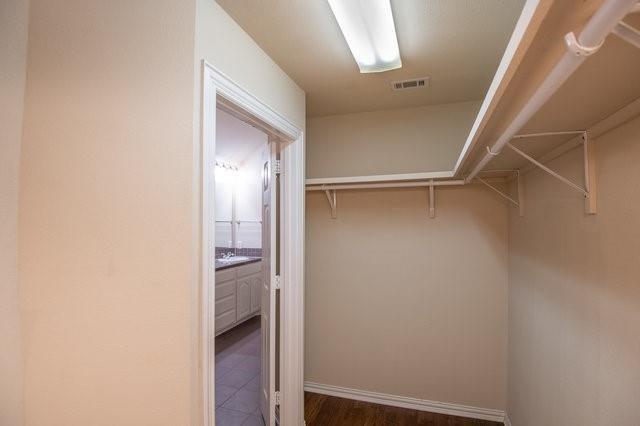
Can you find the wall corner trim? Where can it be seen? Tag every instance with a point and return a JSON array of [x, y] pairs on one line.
[[408, 402]]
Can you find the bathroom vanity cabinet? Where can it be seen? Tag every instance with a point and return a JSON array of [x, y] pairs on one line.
[[237, 295]]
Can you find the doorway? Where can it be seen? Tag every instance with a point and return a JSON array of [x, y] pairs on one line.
[[242, 295], [233, 317]]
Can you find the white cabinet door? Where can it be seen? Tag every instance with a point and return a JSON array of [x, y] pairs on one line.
[[243, 297], [256, 293], [225, 299]]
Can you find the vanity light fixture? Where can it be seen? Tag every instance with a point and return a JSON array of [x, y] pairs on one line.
[[368, 27], [226, 165]]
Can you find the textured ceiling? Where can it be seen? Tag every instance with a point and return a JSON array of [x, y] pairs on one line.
[[457, 43]]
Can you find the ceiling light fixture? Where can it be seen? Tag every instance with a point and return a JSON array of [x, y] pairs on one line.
[[368, 27]]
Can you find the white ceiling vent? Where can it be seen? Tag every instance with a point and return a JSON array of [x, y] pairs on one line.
[[414, 83]]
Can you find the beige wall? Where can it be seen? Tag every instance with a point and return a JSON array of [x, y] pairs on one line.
[[13, 51], [105, 225], [409, 140], [402, 304], [222, 43], [110, 205], [574, 303]]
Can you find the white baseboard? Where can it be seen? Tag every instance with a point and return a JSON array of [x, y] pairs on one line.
[[507, 422], [407, 402]]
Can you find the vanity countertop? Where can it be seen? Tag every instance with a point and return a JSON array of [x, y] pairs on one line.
[[220, 265]]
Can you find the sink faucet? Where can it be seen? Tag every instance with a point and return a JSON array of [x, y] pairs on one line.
[[227, 255]]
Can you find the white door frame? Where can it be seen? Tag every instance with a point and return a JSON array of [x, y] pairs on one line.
[[215, 84]]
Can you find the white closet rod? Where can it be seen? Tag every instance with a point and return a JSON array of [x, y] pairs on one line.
[[591, 38], [387, 185], [537, 135]]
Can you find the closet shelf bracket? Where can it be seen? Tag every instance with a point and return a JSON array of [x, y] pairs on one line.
[[331, 197], [520, 185], [589, 189], [519, 203], [628, 33], [499, 191], [432, 200], [589, 174]]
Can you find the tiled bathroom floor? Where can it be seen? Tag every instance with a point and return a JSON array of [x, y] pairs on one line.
[[238, 375]]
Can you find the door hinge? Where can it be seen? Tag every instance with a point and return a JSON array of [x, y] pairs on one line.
[[277, 167], [276, 282], [277, 397]]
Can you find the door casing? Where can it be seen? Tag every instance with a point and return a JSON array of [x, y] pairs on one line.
[[218, 89]]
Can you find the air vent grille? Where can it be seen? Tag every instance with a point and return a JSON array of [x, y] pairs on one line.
[[414, 83]]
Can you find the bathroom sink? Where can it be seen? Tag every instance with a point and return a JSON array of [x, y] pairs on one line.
[[233, 259]]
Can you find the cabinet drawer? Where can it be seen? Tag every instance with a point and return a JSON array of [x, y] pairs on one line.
[[225, 304], [226, 275], [225, 319], [250, 269], [225, 289]]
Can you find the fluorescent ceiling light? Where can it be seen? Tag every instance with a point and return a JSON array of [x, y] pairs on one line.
[[368, 27]]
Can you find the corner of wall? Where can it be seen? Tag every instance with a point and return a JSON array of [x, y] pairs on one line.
[[14, 17]]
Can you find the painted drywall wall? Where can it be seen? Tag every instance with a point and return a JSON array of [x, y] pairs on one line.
[[402, 304], [412, 140], [249, 199], [110, 206], [223, 44], [13, 51], [574, 298], [244, 188], [242, 145], [105, 223]]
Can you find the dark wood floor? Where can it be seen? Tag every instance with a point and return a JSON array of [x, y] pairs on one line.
[[322, 410]]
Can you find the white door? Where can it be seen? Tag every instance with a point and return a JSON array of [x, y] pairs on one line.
[[268, 300]]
